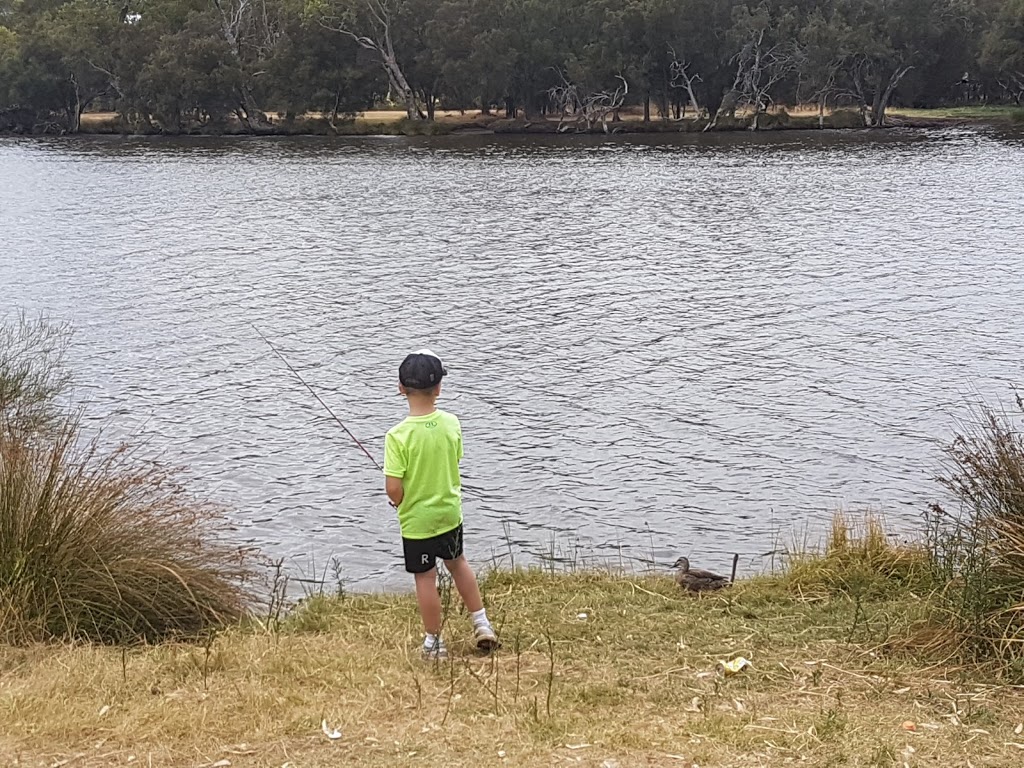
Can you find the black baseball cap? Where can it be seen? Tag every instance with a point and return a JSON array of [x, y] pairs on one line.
[[421, 370]]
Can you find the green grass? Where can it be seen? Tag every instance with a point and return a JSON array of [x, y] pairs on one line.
[[1001, 112]]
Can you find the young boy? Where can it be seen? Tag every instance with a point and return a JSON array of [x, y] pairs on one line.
[[421, 468]]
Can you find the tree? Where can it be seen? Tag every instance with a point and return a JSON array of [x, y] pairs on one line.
[[822, 40], [1003, 49], [178, 64], [89, 36], [519, 50], [192, 77], [370, 24], [767, 54], [251, 30], [886, 39], [312, 69]]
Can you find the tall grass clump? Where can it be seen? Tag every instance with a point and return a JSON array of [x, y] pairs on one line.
[[95, 545], [859, 559], [32, 374], [978, 549]]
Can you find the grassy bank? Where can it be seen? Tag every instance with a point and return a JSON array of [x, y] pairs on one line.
[[392, 123], [597, 670], [970, 114]]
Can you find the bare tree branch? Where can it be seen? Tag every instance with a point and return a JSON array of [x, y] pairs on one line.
[[589, 109]]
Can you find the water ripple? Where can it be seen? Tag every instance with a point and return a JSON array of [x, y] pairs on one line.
[[656, 346]]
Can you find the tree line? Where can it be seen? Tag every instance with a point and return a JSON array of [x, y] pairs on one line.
[[171, 65]]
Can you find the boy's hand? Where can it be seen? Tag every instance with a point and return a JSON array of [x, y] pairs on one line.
[[395, 490]]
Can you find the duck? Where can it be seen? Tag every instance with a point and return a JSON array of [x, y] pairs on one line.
[[697, 580]]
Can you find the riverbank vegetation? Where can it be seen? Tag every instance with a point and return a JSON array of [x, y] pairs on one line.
[[96, 545], [131, 632], [267, 66]]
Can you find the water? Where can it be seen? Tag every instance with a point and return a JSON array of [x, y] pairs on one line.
[[656, 346]]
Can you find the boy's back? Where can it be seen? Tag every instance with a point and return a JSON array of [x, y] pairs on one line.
[[424, 451], [421, 464]]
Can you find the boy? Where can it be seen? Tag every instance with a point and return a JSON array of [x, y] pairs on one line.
[[421, 468]]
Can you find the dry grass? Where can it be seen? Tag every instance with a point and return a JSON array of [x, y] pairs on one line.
[[630, 684], [108, 548]]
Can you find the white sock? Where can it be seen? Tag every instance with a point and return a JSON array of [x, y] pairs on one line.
[[480, 618], [431, 640]]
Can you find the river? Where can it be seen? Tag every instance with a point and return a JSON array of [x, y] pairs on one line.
[[700, 345]]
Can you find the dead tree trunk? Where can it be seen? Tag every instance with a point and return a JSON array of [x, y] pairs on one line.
[[873, 89], [681, 78], [884, 95], [74, 106]]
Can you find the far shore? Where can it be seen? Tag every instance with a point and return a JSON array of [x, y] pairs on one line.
[[395, 123]]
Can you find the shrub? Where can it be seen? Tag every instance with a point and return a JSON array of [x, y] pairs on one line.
[[95, 546], [978, 550]]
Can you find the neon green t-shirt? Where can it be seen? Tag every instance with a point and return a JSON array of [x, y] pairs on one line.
[[425, 452]]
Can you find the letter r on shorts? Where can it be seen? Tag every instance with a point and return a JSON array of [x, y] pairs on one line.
[[424, 559]]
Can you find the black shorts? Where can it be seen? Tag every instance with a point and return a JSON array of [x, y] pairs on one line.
[[421, 554]]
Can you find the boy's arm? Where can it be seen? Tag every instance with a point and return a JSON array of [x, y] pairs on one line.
[[395, 490], [394, 470]]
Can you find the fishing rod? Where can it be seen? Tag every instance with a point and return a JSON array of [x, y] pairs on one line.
[[467, 490], [319, 399]]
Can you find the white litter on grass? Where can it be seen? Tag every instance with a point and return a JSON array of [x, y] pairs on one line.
[[331, 733], [732, 667], [104, 709], [581, 616]]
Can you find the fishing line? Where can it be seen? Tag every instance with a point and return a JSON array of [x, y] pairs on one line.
[[319, 399]]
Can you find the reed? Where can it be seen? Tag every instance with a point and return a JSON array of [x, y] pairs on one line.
[[978, 548]]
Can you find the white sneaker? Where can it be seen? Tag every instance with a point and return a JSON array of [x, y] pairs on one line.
[[485, 638], [435, 652]]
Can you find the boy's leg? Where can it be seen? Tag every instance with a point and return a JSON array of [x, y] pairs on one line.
[[421, 564], [469, 590], [429, 601], [465, 582]]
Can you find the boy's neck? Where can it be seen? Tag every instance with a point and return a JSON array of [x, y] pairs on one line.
[[421, 406]]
